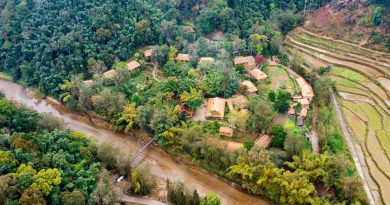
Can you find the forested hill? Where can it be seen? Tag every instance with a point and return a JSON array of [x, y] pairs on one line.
[[44, 42]]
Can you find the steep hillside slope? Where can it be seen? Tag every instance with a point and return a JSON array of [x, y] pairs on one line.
[[357, 21]]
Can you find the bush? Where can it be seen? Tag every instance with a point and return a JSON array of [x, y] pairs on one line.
[[278, 136], [248, 144]]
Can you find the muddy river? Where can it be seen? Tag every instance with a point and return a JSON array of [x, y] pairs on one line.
[[162, 164]]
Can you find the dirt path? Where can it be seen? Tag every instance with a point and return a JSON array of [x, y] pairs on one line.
[[155, 72], [140, 200], [352, 150]]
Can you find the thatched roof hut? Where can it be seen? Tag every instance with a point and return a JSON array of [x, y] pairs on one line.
[[251, 88], [226, 131], [133, 65], [258, 74], [183, 57], [110, 74], [264, 141], [148, 53], [245, 60], [216, 108], [206, 59]]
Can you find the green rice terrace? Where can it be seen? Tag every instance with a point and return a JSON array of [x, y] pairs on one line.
[[362, 80]]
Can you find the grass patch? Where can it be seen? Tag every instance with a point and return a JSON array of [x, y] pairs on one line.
[[280, 79], [5, 76], [374, 118], [358, 126], [384, 139], [346, 82], [349, 74], [342, 88]]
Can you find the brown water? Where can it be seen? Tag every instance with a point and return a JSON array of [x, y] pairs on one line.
[[162, 164]]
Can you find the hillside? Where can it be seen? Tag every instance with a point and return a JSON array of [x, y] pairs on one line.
[[361, 22]]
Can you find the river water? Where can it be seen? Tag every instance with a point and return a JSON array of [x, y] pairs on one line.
[[162, 164]]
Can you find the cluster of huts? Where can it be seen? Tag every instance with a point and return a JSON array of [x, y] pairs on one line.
[[304, 100]]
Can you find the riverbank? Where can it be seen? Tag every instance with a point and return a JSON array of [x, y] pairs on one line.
[[162, 164]]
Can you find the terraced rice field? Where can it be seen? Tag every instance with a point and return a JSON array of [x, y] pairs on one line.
[[361, 78]]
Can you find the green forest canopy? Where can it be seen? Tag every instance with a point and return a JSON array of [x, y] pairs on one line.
[[44, 42]]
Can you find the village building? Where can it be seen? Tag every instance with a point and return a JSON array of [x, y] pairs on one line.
[[215, 108], [258, 74], [303, 112], [306, 89], [110, 74], [251, 88], [247, 61], [190, 29], [264, 141], [291, 111], [183, 57], [148, 53], [88, 82], [304, 102], [133, 65], [206, 59], [300, 121], [226, 131]]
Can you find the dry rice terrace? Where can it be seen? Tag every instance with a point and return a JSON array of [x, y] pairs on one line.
[[362, 79]]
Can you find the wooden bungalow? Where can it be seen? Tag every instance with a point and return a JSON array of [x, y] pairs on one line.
[[264, 141], [148, 53], [215, 108], [110, 74], [300, 121], [226, 131], [258, 74], [88, 82], [251, 88], [133, 65], [247, 61], [183, 57], [206, 59]]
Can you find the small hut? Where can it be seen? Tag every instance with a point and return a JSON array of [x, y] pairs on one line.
[[300, 121], [206, 59], [148, 53], [88, 82], [251, 88], [258, 74], [264, 141], [183, 57], [110, 74], [216, 108], [226, 131], [244, 60], [133, 65]]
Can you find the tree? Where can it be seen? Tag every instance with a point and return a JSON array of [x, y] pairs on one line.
[[278, 136], [104, 194], [237, 119], [294, 144], [193, 99], [46, 179], [211, 199], [262, 116], [107, 155], [213, 83], [257, 41], [127, 120], [32, 197], [248, 144], [7, 161], [9, 188], [282, 101], [72, 198], [160, 55]]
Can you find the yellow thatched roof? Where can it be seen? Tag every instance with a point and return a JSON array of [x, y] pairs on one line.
[[248, 60], [109, 74], [226, 131], [258, 74], [183, 57], [216, 107], [206, 59], [148, 53], [249, 85], [133, 65], [264, 141]]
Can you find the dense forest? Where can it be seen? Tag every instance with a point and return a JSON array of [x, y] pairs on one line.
[[43, 43]]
